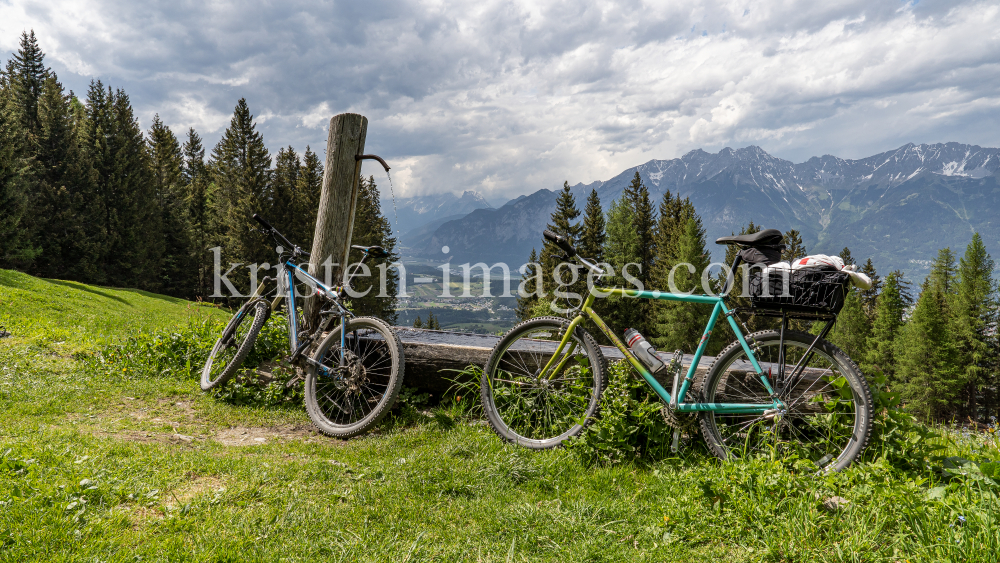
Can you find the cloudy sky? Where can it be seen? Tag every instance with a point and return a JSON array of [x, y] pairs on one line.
[[509, 97]]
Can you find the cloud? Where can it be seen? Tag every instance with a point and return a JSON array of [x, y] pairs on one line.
[[508, 97]]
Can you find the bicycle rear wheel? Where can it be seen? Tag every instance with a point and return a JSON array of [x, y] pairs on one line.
[[542, 412], [827, 419], [235, 343], [344, 401]]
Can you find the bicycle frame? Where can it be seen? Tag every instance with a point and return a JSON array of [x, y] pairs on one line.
[[286, 275], [587, 311]]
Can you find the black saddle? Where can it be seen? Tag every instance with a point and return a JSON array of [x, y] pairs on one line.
[[767, 237], [762, 247], [374, 251]]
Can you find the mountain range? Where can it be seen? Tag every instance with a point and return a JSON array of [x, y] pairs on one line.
[[409, 213], [898, 207]]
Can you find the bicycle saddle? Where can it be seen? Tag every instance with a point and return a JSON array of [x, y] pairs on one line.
[[767, 237], [374, 251]]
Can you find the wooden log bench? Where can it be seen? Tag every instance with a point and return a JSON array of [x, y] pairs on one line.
[[434, 358]]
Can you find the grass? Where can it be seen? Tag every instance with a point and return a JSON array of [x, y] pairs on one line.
[[99, 467], [47, 312]]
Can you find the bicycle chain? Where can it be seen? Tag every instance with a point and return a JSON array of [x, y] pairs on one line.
[[685, 422]]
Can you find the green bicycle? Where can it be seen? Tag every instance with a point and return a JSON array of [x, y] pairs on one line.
[[776, 392]]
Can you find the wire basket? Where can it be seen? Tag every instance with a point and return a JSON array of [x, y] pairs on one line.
[[811, 291]]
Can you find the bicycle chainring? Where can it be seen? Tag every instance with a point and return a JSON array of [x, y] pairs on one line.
[[684, 421]]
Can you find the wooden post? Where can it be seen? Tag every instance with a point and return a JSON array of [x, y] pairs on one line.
[[335, 218]]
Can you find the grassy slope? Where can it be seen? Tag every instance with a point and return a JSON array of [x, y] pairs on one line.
[[98, 468], [84, 316]]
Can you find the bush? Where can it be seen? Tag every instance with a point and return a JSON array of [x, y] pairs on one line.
[[181, 354], [897, 436], [630, 427]]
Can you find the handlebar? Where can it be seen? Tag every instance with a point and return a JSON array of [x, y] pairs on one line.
[[559, 241], [274, 232], [263, 223], [563, 243]]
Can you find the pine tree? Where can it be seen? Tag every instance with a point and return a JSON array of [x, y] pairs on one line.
[[432, 322], [852, 330], [125, 189], [418, 323], [135, 259], [201, 225], [177, 271], [793, 246], [371, 228], [527, 304], [644, 223], [869, 297], [15, 243], [283, 213], [974, 324], [23, 84], [888, 321], [679, 325], [26, 73], [621, 248], [66, 224], [845, 255], [308, 190], [241, 170], [672, 216], [930, 382], [905, 290], [943, 271], [564, 224], [592, 234]]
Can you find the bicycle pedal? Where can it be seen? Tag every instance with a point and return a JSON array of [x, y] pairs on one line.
[[677, 438], [291, 382]]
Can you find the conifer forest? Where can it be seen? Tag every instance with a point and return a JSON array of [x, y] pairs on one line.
[[87, 194]]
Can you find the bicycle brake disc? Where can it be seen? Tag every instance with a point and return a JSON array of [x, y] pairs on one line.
[[355, 375]]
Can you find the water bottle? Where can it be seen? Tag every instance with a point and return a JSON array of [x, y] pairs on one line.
[[643, 350]]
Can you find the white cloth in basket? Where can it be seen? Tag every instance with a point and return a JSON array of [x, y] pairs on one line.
[[822, 260]]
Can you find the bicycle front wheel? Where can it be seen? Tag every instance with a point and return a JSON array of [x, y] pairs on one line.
[[354, 386], [828, 406], [536, 411], [235, 343]]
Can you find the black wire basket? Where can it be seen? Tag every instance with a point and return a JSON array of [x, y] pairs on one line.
[[809, 291]]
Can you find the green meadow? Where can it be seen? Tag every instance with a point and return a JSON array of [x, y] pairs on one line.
[[109, 460]]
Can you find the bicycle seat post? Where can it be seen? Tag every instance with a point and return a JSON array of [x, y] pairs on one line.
[[731, 278]]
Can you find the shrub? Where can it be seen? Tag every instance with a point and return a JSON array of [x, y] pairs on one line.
[[896, 435], [181, 354], [630, 427]]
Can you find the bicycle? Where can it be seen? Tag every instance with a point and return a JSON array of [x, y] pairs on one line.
[[354, 375], [774, 392]]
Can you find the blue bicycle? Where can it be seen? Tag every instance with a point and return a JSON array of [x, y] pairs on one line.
[[352, 377]]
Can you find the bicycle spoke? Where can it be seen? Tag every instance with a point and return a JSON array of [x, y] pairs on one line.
[[545, 408], [819, 417]]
